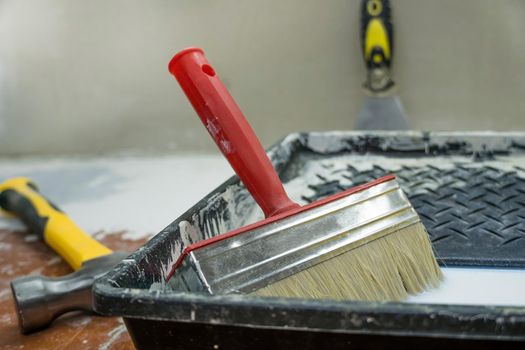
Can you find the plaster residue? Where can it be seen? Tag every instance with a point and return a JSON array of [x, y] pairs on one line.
[[322, 144], [6, 318], [165, 268], [113, 336], [53, 261], [139, 195], [5, 293], [227, 146], [212, 128], [226, 211], [10, 223], [467, 286], [188, 234], [286, 150], [81, 321], [223, 212], [31, 238], [8, 270]]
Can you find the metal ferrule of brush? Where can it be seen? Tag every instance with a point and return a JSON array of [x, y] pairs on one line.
[[252, 260]]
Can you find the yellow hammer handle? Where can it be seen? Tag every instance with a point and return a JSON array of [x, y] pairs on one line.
[[19, 196]]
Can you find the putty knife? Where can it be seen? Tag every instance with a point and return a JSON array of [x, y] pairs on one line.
[[382, 108]]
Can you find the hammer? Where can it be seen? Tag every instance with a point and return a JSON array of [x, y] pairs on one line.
[[38, 299]]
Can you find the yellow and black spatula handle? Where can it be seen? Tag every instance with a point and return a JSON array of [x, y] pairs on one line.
[[20, 197], [376, 33]]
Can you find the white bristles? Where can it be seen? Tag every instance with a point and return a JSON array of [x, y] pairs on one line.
[[388, 268]]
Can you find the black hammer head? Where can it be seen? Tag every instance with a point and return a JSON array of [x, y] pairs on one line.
[[39, 299]]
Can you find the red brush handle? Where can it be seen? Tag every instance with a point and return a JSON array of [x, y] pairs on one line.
[[228, 127]]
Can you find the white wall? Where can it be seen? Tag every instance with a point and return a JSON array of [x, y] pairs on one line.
[[91, 76]]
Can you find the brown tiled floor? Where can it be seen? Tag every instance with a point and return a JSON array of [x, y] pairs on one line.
[[21, 254]]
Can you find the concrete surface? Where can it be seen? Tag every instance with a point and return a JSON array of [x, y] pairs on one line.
[[91, 76]]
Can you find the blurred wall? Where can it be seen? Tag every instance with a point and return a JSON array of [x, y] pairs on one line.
[[91, 76]]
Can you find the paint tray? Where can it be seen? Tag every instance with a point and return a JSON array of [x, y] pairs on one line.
[[469, 189]]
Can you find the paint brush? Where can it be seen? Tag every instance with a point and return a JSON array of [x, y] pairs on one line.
[[365, 243]]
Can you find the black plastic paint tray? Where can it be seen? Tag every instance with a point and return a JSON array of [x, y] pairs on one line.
[[469, 189]]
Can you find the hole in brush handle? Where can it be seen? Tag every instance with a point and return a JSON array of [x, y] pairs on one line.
[[207, 69]]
